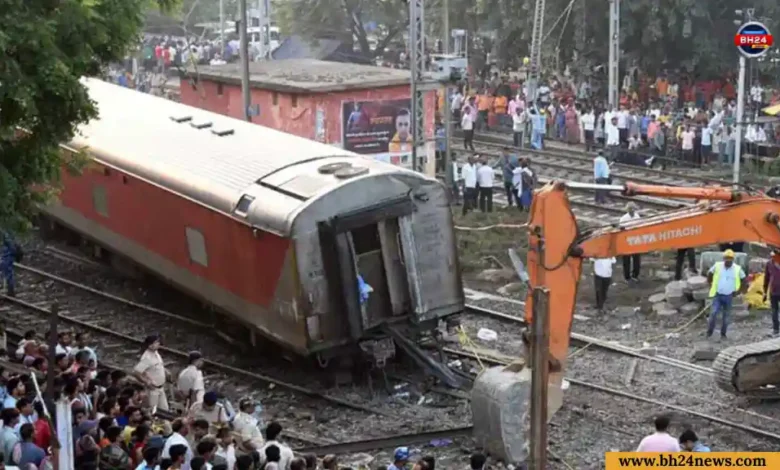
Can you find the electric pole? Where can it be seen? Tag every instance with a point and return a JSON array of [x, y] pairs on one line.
[[222, 29], [746, 16], [447, 112], [614, 51], [245, 90], [417, 66], [536, 52]]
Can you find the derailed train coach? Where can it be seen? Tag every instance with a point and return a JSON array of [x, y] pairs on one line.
[[271, 229]]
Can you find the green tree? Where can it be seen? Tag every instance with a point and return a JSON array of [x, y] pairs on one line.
[[346, 20], [47, 46]]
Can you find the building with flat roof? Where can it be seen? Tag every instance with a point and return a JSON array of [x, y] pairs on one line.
[[362, 108]]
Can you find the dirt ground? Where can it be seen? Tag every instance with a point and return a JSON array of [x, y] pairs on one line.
[[487, 248]]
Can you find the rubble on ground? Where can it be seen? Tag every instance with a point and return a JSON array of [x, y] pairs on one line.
[[689, 297]]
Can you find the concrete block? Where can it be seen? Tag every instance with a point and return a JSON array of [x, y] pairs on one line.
[[708, 258], [663, 309], [657, 298], [677, 301], [701, 294], [675, 289], [705, 353], [696, 283], [691, 308]]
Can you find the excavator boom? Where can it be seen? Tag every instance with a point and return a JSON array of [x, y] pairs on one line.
[[557, 248]]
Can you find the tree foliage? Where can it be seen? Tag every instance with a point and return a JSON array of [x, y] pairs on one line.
[[350, 21], [47, 46]]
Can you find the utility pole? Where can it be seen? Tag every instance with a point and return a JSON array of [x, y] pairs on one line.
[[536, 52], [263, 8], [614, 51], [740, 116], [417, 66], [245, 90], [743, 16], [540, 349], [447, 112], [222, 29]]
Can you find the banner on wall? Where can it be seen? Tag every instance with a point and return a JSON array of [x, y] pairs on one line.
[[380, 128]]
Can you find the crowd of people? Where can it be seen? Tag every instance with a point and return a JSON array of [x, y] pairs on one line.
[[692, 122], [140, 419]]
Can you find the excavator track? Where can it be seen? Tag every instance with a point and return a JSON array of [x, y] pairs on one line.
[[751, 370]]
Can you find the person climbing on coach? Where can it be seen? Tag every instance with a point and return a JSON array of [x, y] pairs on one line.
[[725, 278], [11, 253]]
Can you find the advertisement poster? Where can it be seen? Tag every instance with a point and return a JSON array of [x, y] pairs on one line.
[[380, 128]]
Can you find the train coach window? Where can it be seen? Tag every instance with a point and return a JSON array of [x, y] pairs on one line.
[[196, 245], [100, 200], [242, 208], [275, 98], [294, 101], [220, 89]]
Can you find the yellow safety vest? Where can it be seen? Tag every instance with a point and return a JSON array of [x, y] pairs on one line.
[[716, 278]]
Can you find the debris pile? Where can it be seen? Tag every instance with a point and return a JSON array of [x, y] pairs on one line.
[[688, 298]]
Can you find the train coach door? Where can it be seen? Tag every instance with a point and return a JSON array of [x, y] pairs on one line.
[[367, 243], [431, 263]]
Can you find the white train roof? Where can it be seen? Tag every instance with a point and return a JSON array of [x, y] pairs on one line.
[[165, 143]]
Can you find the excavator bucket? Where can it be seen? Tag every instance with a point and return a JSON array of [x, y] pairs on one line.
[[501, 410]]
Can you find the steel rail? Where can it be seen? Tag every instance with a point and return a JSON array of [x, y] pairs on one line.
[[212, 364], [388, 442], [595, 342], [115, 298], [632, 396], [583, 156]]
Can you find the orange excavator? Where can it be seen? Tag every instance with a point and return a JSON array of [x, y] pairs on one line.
[[557, 249]]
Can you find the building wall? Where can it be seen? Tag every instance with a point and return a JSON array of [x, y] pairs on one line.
[[295, 114]]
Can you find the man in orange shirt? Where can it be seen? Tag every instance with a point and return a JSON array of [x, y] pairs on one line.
[[484, 103], [499, 108]]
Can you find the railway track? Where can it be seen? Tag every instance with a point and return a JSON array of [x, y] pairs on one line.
[[118, 327], [684, 370]]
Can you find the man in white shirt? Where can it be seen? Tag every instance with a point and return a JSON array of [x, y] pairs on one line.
[[485, 176], [467, 124], [686, 138], [179, 427], [706, 144], [602, 278], [150, 370], [613, 137], [246, 427], [756, 95], [631, 263], [190, 386], [519, 119], [589, 126], [455, 105], [469, 175], [272, 433]]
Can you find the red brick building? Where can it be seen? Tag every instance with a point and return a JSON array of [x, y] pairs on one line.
[[358, 107]]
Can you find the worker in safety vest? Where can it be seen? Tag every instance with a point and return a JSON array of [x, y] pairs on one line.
[[725, 280]]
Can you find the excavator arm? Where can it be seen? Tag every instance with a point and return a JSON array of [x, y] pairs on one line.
[[557, 248]]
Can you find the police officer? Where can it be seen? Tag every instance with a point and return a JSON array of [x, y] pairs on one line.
[[10, 253]]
